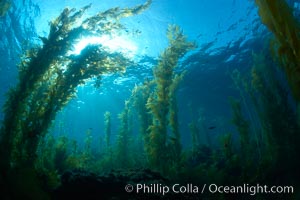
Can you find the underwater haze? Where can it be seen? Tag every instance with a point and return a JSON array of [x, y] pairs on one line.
[[148, 99]]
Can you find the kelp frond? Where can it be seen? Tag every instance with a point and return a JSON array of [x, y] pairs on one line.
[[49, 76], [278, 17]]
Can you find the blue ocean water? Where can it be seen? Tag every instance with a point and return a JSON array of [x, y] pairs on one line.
[[226, 32]]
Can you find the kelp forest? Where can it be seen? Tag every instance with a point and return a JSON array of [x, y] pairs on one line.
[[145, 143]]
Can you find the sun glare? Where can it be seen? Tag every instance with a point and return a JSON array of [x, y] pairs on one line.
[[115, 44]]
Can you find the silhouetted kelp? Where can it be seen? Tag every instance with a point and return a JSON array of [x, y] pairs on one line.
[[282, 119], [278, 17], [268, 128], [48, 77]]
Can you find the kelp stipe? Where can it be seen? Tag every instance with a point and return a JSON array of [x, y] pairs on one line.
[[124, 137], [271, 141], [107, 129], [278, 17], [161, 100], [139, 97]]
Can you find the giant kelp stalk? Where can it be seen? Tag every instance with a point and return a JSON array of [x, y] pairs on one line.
[[174, 144], [159, 102], [49, 75], [107, 128], [280, 131], [246, 143], [278, 17], [274, 144], [194, 130], [242, 126], [139, 97], [122, 151]]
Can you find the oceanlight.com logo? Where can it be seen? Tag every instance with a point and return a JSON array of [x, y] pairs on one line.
[[250, 189], [212, 188]]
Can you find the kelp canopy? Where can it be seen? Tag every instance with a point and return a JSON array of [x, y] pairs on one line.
[[49, 75]]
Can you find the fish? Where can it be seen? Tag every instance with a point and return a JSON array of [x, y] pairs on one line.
[[212, 127]]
